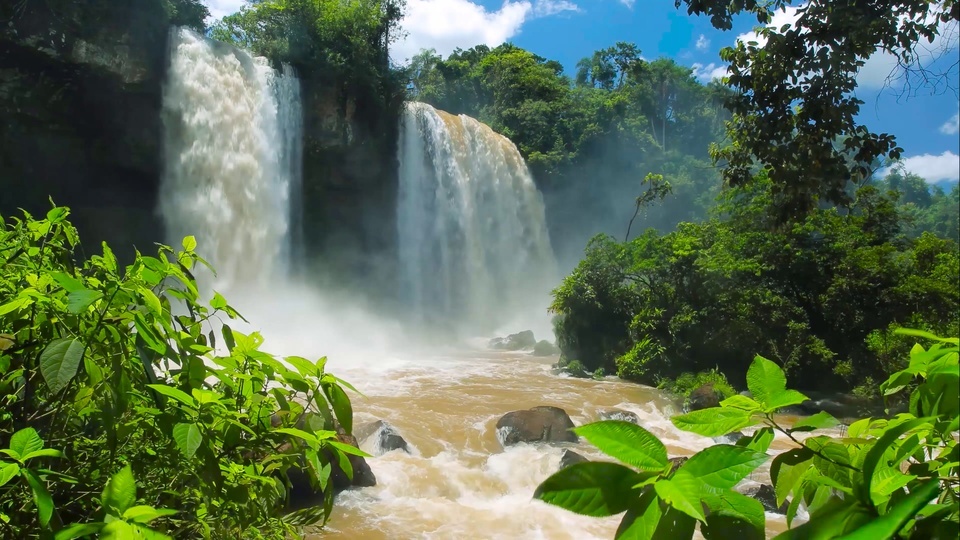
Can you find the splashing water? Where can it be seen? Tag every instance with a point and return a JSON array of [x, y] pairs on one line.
[[473, 240], [232, 143]]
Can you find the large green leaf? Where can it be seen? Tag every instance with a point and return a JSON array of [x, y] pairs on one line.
[[787, 469], [78, 301], [348, 449], [887, 526], [145, 514], [593, 488], [820, 420], [765, 380], [722, 466], [59, 362], [874, 455], [174, 393], [682, 495], [78, 530], [188, 438], [829, 521], [341, 405], [120, 492], [733, 515], [7, 472], [24, 442], [786, 398], [41, 497], [308, 438], [641, 520], [626, 442], [302, 365], [927, 335], [713, 422], [760, 440]]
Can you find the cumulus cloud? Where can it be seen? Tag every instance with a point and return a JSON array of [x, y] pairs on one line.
[[702, 43], [932, 167], [219, 8], [951, 126], [708, 72], [444, 25]]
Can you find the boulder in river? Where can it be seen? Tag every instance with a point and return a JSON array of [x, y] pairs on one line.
[[570, 457], [303, 495], [514, 342], [767, 497], [386, 437], [619, 414], [704, 397], [539, 424], [545, 348]]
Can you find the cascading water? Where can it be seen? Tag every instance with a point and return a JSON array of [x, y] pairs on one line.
[[232, 144], [473, 240]]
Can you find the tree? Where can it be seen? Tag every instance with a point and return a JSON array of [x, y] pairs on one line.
[[794, 92]]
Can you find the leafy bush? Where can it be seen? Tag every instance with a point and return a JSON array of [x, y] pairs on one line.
[[113, 377], [688, 382], [575, 368], [642, 363], [887, 478]]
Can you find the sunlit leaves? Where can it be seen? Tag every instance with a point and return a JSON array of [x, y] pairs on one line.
[[722, 466], [713, 422], [592, 488], [626, 442], [120, 492], [188, 438], [59, 362]]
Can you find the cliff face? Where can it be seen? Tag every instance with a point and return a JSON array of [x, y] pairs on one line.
[[80, 90]]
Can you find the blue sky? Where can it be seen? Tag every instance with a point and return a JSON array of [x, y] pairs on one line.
[[924, 121]]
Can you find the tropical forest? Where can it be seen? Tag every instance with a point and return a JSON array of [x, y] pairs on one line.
[[480, 269]]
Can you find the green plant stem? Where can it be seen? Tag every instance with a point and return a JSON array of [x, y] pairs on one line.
[[776, 426]]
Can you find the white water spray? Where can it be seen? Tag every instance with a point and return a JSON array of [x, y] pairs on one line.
[[473, 243], [232, 143]]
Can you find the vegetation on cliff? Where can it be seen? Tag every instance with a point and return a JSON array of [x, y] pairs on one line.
[[130, 408]]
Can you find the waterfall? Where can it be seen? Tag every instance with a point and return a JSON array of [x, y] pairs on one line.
[[473, 241], [232, 159]]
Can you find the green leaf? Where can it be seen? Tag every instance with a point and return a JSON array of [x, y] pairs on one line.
[[189, 243], [760, 440], [14, 305], [78, 530], [7, 472], [593, 488], [150, 300], [641, 520], [218, 301], [741, 402], [303, 366], [722, 466], [78, 301], [24, 442], [309, 438], [829, 521], [787, 469], [879, 448], [684, 500], [626, 442], [68, 282], [149, 334], [821, 420], [887, 526], [927, 335], [43, 452], [733, 515], [59, 362], [786, 398], [118, 530], [713, 422], [145, 514], [41, 497], [120, 492], [348, 449], [765, 380], [341, 405], [174, 393], [188, 438]]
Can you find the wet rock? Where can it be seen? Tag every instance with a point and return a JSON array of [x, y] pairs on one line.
[[729, 438], [514, 342], [303, 494], [767, 497], [704, 397], [386, 437], [545, 348], [539, 424], [678, 461], [619, 414], [570, 457]]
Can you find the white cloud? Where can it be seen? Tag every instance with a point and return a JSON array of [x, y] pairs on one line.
[[933, 168], [709, 72], [628, 3], [445, 25], [702, 43], [951, 126], [219, 8]]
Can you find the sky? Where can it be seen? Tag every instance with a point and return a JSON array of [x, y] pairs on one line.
[[926, 121]]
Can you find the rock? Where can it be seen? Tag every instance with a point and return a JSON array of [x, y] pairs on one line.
[[767, 497], [704, 397], [303, 495], [619, 414], [514, 342], [387, 437], [678, 461], [539, 424], [545, 348], [570, 457], [729, 438]]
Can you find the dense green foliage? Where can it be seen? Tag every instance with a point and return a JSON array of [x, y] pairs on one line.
[[818, 295], [885, 479], [794, 105], [118, 404], [686, 383], [589, 141]]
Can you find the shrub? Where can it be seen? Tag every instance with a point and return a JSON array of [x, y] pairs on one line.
[[688, 382], [112, 381], [642, 363]]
